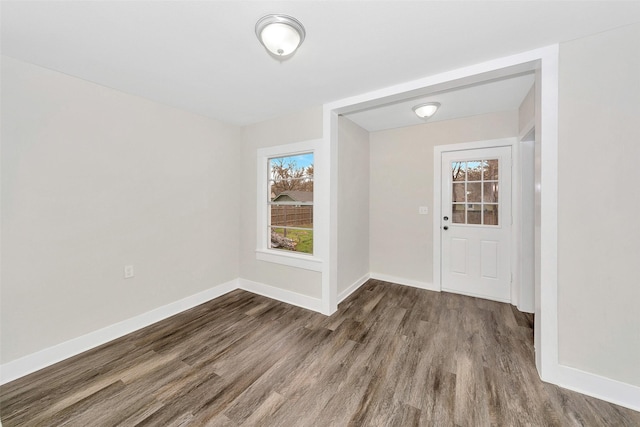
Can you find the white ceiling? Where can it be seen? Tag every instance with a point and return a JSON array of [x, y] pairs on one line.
[[502, 95], [203, 56]]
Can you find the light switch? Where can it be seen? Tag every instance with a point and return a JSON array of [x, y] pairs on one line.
[[128, 271]]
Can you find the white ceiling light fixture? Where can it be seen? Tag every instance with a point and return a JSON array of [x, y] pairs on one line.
[[424, 111], [280, 34]]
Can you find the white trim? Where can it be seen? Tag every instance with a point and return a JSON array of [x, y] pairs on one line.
[[546, 313], [291, 259], [607, 389], [354, 287], [526, 238], [43, 358], [526, 129], [282, 295], [499, 67], [404, 281], [329, 204], [516, 221], [263, 252]]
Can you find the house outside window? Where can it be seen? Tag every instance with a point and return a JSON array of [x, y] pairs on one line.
[[286, 208]]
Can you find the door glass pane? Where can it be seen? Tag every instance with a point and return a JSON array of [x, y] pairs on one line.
[[490, 192], [474, 192], [457, 214], [490, 215], [474, 170], [458, 171], [474, 213], [491, 170], [458, 192]]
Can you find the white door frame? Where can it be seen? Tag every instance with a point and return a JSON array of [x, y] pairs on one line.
[[525, 203], [438, 150], [545, 62]]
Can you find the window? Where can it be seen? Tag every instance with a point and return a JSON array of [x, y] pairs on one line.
[[285, 212], [290, 200], [475, 192]]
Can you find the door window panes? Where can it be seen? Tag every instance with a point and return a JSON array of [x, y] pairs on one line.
[[458, 171], [475, 192], [458, 214], [459, 192], [490, 170], [490, 215]]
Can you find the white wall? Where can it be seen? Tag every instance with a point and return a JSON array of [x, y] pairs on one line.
[[527, 110], [525, 197], [353, 205], [302, 126], [94, 179], [401, 240], [598, 205]]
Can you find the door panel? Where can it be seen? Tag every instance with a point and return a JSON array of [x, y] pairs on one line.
[[489, 259], [459, 256], [476, 222]]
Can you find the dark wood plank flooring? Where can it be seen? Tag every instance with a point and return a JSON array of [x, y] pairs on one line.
[[391, 356]]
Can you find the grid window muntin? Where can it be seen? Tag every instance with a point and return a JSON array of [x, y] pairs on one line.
[[475, 192]]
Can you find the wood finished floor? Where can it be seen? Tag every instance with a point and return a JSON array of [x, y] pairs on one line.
[[391, 356]]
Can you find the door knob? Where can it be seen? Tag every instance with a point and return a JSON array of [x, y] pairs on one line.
[[446, 218], [445, 227]]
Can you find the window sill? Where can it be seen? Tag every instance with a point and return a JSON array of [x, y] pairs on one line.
[[306, 262]]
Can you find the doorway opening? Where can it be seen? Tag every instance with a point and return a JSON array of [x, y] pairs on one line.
[[544, 63]]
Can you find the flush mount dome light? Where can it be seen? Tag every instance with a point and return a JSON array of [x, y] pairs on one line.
[[424, 111], [280, 34]]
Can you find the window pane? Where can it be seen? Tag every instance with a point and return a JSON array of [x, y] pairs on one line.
[[291, 173], [474, 192], [490, 214], [474, 213], [491, 170], [457, 171], [474, 170], [292, 239], [458, 192], [292, 216], [490, 192], [294, 186], [290, 198], [457, 214]]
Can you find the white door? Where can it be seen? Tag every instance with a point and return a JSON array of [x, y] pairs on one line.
[[476, 222]]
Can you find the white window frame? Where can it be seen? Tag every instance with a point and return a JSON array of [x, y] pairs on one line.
[[263, 252]]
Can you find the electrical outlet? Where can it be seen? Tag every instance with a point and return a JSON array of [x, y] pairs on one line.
[[128, 271], [423, 210]]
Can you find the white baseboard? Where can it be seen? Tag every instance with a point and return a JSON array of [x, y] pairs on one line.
[[403, 281], [289, 297], [593, 385], [43, 358], [354, 287]]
